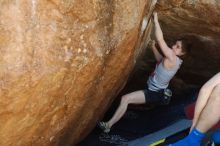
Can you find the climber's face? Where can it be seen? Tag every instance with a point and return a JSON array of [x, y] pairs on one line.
[[177, 48]]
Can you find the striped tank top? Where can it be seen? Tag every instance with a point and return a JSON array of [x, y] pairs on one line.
[[161, 77]]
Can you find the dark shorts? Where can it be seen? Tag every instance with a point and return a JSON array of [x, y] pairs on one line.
[[156, 97]]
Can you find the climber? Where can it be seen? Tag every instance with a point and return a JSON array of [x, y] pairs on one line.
[[156, 91], [206, 113]]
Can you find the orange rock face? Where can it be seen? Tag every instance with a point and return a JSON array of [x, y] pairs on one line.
[[61, 64]]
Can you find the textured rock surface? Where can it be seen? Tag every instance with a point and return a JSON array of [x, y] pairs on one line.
[[61, 64]]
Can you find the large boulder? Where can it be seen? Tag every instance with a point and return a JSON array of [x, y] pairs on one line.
[[61, 64]]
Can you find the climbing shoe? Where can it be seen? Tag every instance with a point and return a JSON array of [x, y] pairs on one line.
[[104, 126]]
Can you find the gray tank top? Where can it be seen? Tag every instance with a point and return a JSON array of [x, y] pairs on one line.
[[161, 77]]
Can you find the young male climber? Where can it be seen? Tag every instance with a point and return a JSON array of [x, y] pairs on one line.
[[168, 65], [207, 113]]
